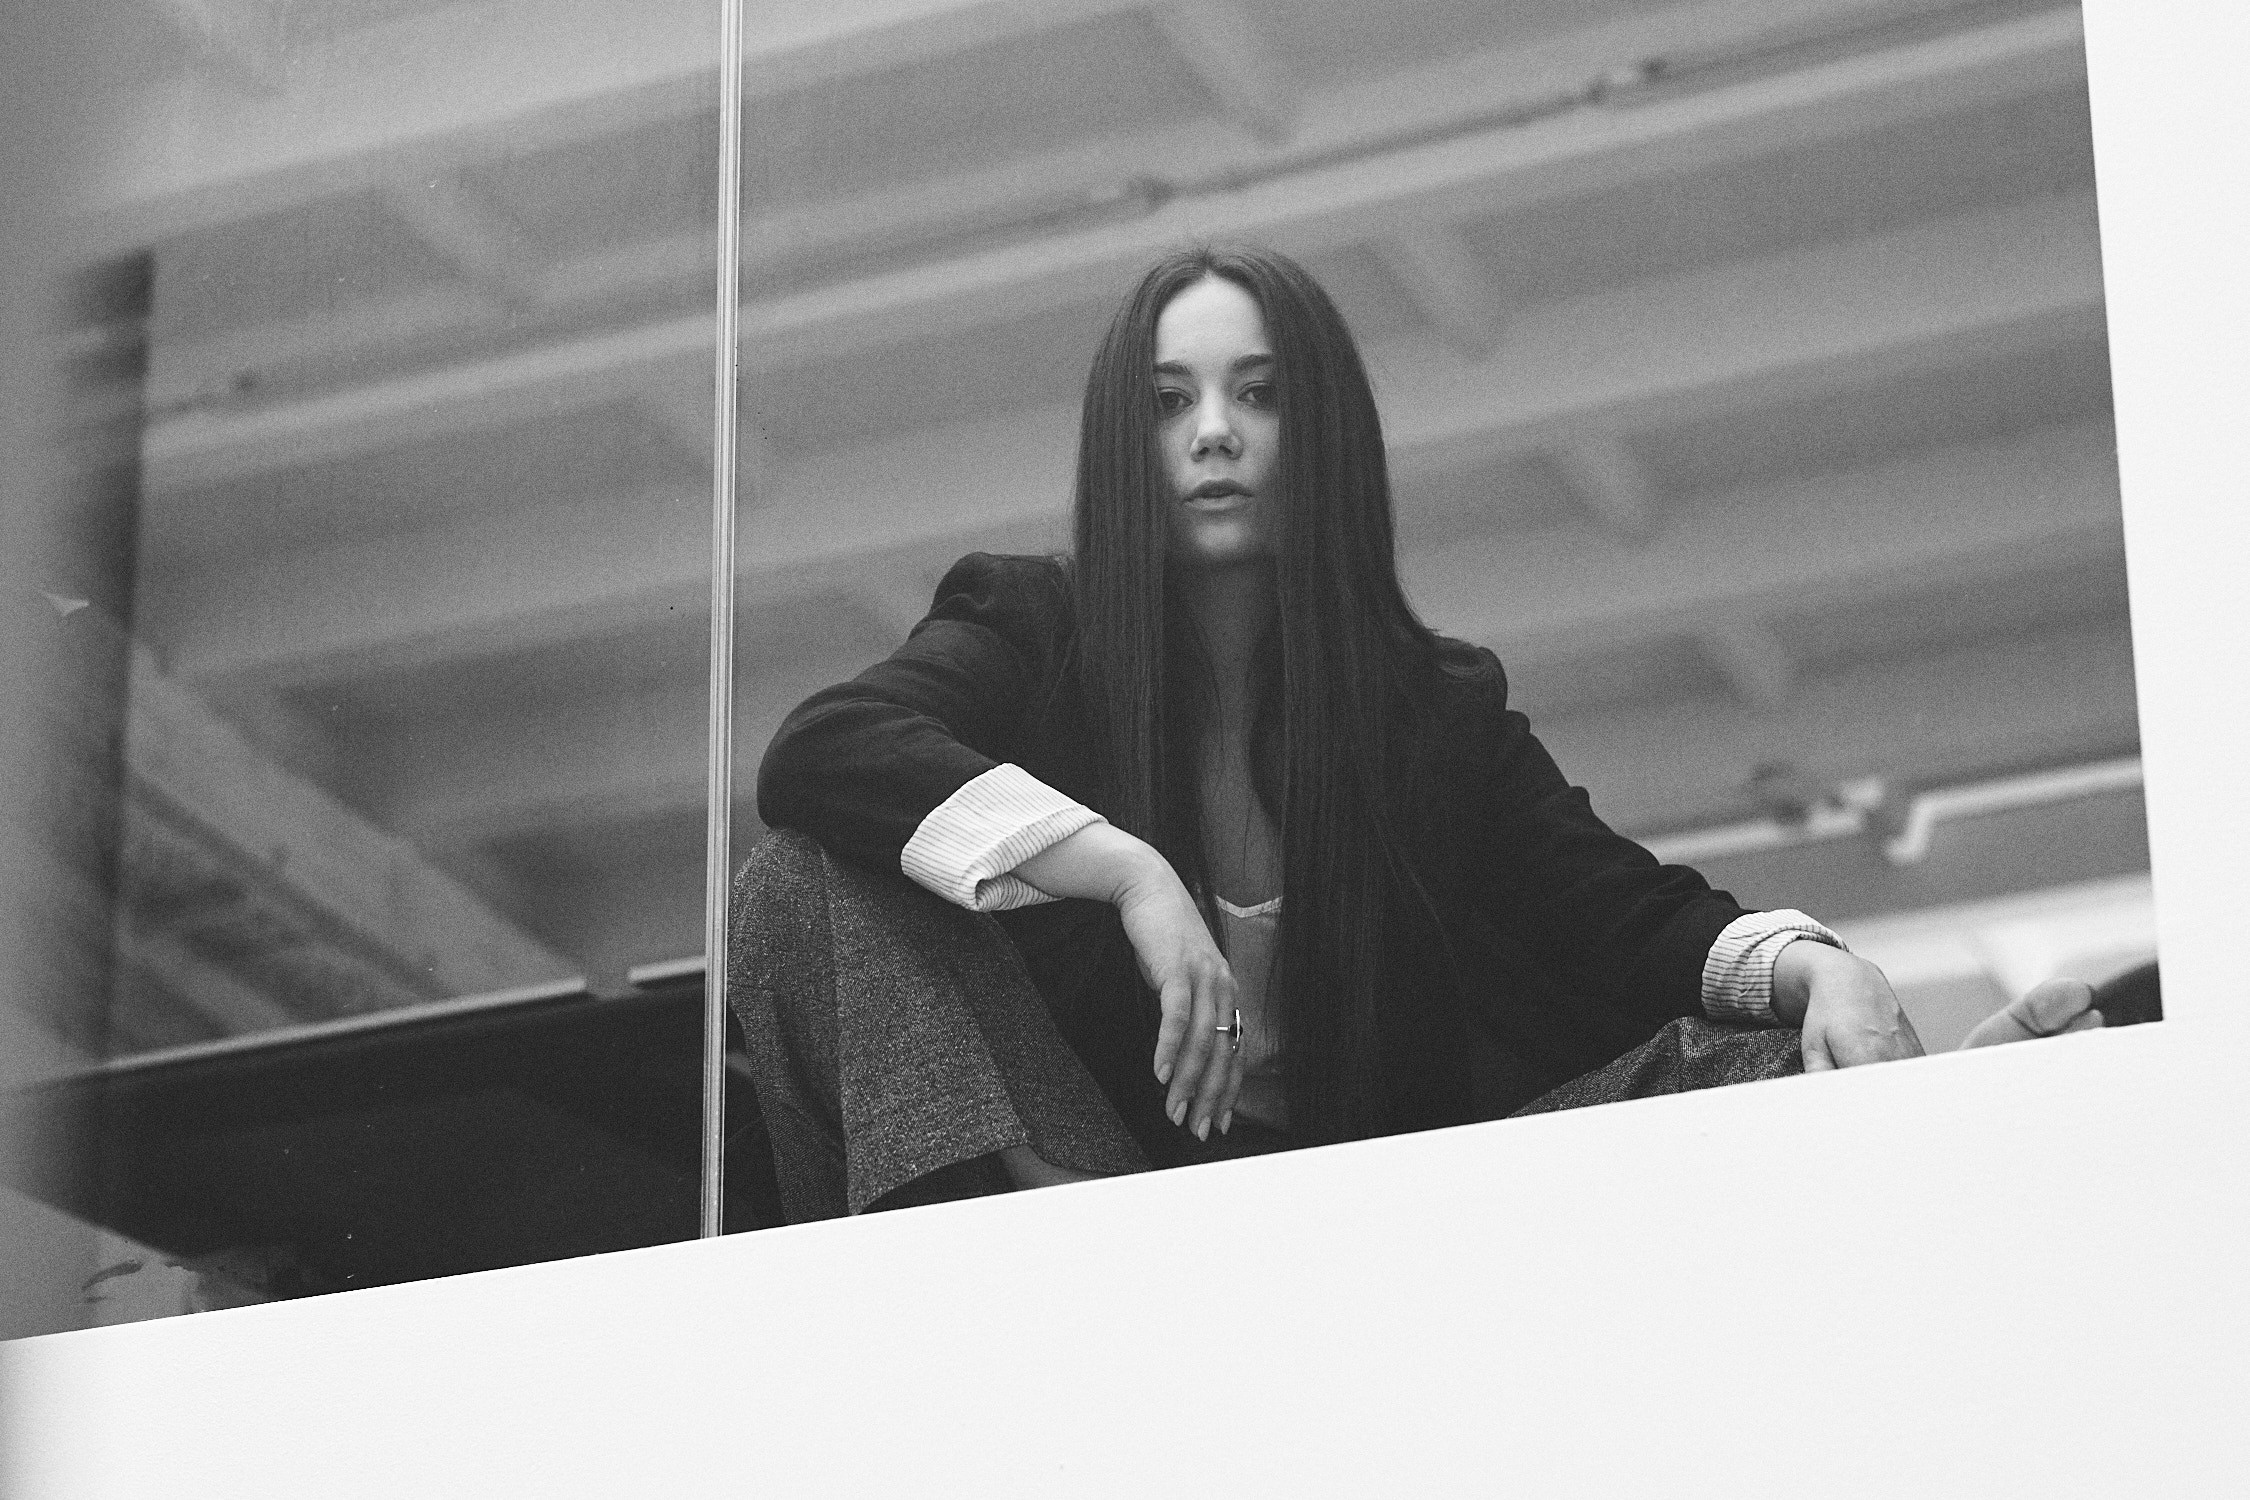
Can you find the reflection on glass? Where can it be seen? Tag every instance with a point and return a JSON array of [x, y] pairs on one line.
[[400, 623], [1744, 388]]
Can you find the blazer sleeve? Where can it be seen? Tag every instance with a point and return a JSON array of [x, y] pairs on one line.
[[1588, 900], [858, 766]]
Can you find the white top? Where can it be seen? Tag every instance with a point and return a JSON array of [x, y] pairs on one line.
[[1249, 935]]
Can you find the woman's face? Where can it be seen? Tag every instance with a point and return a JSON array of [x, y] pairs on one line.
[[1218, 426]]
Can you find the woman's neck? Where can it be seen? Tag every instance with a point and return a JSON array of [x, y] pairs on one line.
[[1232, 608]]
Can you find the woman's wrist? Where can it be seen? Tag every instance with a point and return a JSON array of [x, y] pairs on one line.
[[1794, 969]]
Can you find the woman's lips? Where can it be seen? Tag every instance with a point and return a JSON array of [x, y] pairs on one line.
[[1217, 495]]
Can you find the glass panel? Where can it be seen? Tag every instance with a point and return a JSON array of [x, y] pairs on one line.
[[1743, 380], [379, 621]]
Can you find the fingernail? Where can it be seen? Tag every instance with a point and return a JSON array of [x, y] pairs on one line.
[[1203, 1129], [1226, 1121], [1163, 1072], [1178, 1112]]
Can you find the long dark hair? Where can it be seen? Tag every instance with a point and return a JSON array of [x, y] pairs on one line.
[[1333, 746]]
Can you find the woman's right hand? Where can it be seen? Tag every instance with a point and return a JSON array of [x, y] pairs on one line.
[[1194, 987], [1195, 992]]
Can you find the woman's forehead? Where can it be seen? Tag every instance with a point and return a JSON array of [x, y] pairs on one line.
[[1212, 319]]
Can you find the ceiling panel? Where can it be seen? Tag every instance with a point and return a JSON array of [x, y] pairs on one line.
[[611, 449], [1028, 94], [1324, 42], [1920, 619], [314, 259], [1650, 673], [1367, 292], [1040, 359], [304, 23], [1862, 424], [1793, 196], [1519, 492], [613, 190]]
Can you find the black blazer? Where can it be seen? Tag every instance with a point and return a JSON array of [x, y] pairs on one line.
[[1559, 944]]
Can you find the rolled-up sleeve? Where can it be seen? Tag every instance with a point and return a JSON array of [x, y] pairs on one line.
[[967, 845], [1738, 975]]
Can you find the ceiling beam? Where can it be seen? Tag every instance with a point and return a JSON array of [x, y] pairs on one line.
[[1611, 482], [1095, 174], [1747, 333], [556, 767], [586, 567], [1219, 41], [426, 934], [1752, 659], [220, 369], [212, 444], [1354, 201], [473, 236], [1481, 174], [1447, 284], [426, 93], [608, 769], [239, 41], [471, 81], [1969, 513], [1589, 368], [453, 85]]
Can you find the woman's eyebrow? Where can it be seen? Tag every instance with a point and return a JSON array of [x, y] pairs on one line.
[[1247, 362]]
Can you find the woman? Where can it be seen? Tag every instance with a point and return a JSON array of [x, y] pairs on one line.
[[1279, 864]]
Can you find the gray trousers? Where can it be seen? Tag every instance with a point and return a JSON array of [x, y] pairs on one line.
[[897, 1044]]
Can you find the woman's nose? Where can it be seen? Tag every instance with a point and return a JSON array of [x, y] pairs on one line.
[[1214, 434]]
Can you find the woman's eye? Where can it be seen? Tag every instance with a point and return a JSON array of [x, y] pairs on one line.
[[1172, 402], [1260, 394]]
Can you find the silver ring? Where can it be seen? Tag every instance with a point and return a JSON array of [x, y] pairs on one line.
[[1232, 1033]]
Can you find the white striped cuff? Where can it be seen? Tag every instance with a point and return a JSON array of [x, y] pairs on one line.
[[967, 845], [1738, 974]]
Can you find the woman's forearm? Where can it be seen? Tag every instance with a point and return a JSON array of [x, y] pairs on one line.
[[1097, 863], [1182, 967]]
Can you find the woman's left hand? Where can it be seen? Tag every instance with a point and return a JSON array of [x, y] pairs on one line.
[[1843, 1007]]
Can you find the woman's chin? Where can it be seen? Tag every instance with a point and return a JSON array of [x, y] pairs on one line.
[[1247, 563], [1220, 546]]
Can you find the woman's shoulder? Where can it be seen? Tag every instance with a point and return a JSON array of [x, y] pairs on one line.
[[1464, 720], [1465, 679], [1009, 592], [1010, 578], [1035, 570]]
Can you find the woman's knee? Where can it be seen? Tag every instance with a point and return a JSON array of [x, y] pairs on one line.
[[779, 939], [785, 859], [788, 866], [800, 911]]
